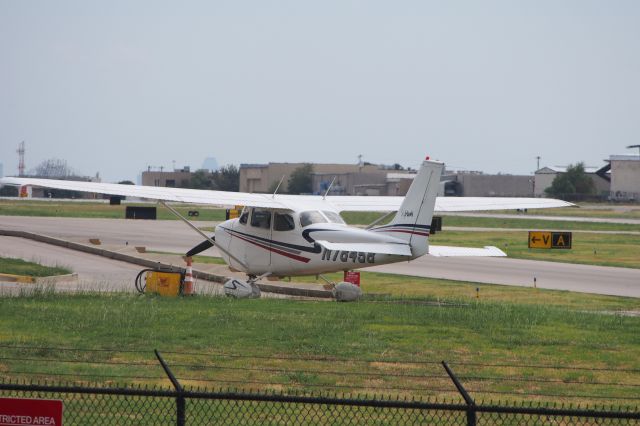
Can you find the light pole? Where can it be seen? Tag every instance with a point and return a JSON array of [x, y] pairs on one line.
[[538, 158]]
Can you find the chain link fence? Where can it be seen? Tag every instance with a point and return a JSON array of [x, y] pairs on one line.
[[147, 405]]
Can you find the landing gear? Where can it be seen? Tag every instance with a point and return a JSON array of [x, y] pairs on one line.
[[244, 289], [343, 291]]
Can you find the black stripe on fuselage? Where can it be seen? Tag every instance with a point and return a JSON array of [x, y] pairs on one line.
[[315, 249]]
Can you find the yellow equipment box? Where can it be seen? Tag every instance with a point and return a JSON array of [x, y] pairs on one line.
[[164, 283]]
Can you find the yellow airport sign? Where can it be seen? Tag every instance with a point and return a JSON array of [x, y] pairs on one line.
[[550, 240], [538, 239]]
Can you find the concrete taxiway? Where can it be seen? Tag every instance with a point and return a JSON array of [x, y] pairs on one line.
[[519, 272], [175, 236]]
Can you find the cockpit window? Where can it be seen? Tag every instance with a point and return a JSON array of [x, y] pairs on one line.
[[261, 218], [283, 222], [244, 217], [310, 217], [333, 216]]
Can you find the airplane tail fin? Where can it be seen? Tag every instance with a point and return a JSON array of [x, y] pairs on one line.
[[412, 222]]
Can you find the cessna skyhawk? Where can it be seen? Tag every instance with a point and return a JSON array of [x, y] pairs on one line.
[[292, 235]]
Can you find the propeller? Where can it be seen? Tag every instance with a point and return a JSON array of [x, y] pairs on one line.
[[201, 247]]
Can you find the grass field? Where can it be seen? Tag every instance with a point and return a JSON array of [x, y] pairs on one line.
[[386, 345], [22, 267], [364, 218], [593, 249], [379, 286], [531, 223], [631, 211], [99, 210]]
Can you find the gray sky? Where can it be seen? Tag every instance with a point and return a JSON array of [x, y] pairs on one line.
[[114, 86]]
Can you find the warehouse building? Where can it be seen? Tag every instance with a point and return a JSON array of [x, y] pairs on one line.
[[625, 177], [544, 178], [350, 179]]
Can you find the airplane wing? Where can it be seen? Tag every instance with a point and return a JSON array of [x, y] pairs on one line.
[[182, 195], [282, 201]]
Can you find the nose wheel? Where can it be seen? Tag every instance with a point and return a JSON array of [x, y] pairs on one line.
[[244, 289]]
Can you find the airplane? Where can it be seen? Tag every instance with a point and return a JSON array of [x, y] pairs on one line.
[[279, 235]]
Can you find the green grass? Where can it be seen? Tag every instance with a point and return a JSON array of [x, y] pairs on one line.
[[531, 223], [381, 286], [100, 210], [365, 218], [22, 267], [593, 249], [197, 334], [619, 211]]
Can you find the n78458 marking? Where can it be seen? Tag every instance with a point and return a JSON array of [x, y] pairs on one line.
[[345, 256]]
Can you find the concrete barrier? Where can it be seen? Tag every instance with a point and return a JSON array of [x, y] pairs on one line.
[[221, 279]]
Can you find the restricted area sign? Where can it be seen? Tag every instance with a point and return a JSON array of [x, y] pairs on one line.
[[352, 277], [24, 411], [549, 240]]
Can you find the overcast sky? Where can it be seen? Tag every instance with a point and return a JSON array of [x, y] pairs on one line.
[[115, 86]]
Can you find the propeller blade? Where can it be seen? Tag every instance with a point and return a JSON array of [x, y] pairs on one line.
[[200, 248]]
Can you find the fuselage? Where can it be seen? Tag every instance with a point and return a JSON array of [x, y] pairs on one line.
[[284, 243]]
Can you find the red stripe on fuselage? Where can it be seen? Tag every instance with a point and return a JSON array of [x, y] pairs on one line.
[[275, 250], [405, 232]]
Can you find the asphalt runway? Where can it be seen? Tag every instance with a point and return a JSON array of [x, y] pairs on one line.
[[95, 273], [175, 236]]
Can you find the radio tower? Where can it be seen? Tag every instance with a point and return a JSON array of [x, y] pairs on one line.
[[20, 152]]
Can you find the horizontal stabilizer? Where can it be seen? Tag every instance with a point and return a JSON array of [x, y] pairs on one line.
[[447, 251], [381, 248]]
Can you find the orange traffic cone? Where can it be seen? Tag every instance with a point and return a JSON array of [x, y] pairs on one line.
[[187, 288]]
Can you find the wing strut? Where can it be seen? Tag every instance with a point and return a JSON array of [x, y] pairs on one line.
[[380, 219], [195, 228]]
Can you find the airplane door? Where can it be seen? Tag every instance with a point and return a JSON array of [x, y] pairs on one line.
[[258, 238]]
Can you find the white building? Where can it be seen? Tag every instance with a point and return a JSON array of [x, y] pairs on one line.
[[625, 177]]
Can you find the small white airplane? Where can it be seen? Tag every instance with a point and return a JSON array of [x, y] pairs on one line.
[[293, 235]]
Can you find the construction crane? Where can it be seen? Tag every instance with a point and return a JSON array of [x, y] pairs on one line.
[[20, 152]]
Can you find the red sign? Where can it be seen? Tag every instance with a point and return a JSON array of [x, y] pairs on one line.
[[352, 277], [30, 412]]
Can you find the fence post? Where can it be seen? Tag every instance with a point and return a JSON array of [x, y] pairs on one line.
[[471, 405], [180, 402]]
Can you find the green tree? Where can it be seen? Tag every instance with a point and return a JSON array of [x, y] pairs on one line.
[[571, 183], [201, 179], [227, 178], [300, 180], [274, 185], [126, 182]]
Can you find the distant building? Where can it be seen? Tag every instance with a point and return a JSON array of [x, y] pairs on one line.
[[545, 176], [625, 177], [350, 179], [171, 179], [210, 164], [478, 184]]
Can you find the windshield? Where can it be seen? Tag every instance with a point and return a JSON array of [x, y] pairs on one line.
[[333, 217], [311, 217]]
